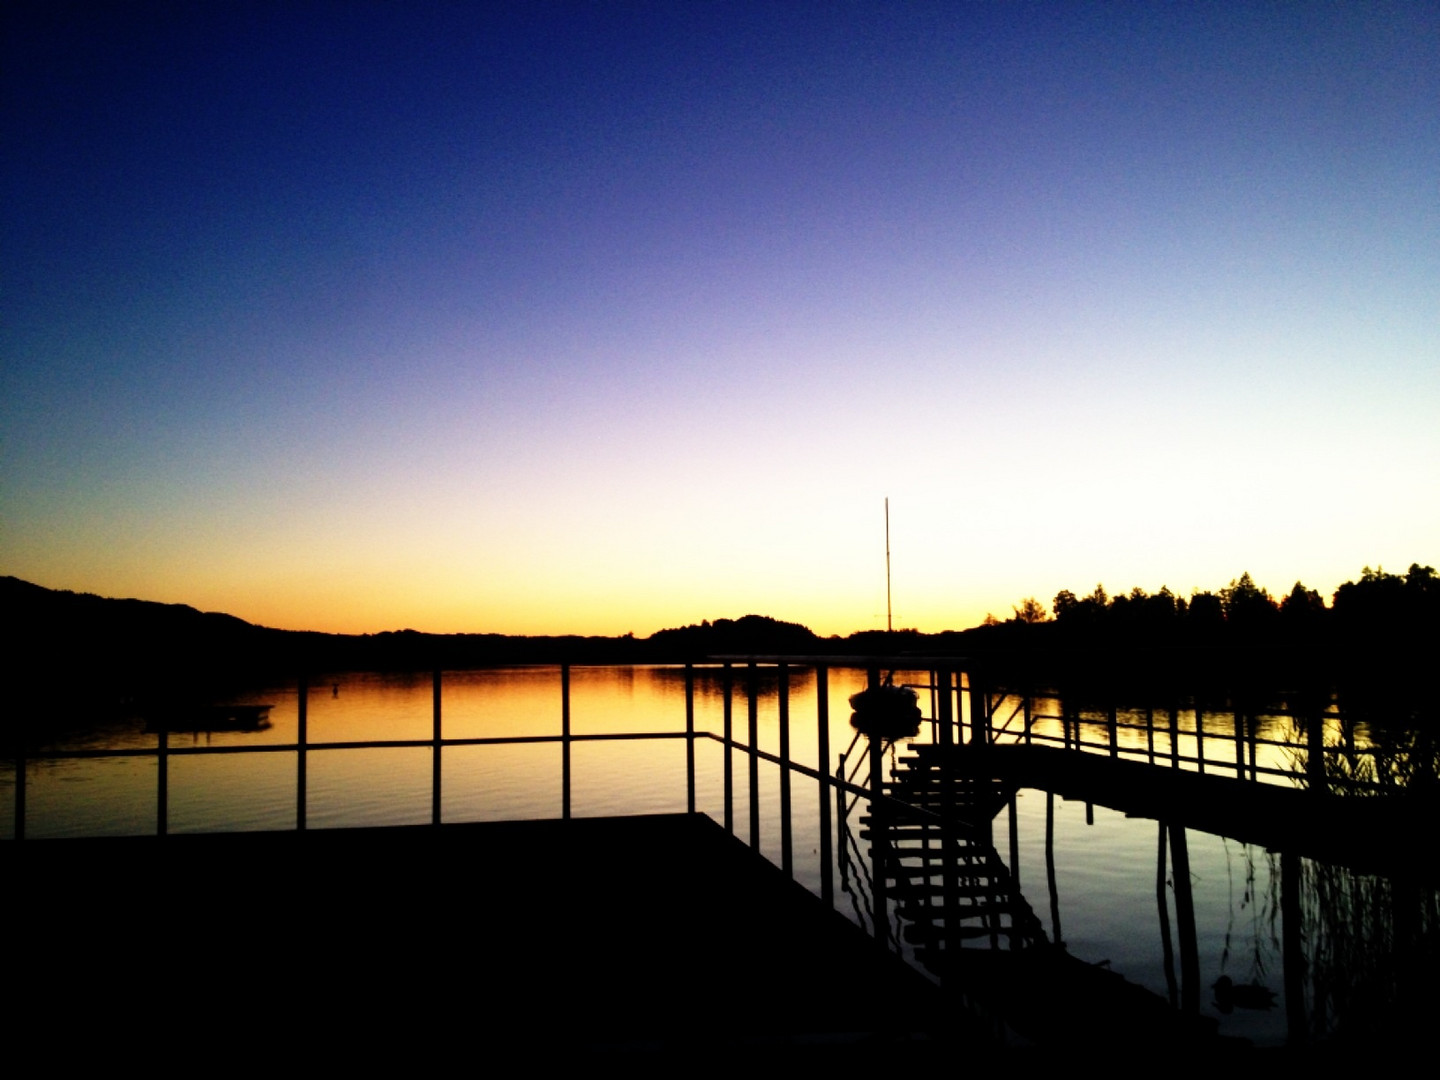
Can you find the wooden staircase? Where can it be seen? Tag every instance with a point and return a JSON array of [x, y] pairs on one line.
[[962, 912], [948, 883]]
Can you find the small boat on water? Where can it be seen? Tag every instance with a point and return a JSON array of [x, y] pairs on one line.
[[886, 710], [882, 709], [210, 718], [1230, 995]]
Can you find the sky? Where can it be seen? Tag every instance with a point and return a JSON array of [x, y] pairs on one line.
[[606, 317]]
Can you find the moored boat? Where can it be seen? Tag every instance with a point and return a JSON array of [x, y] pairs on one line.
[[210, 718], [886, 710]]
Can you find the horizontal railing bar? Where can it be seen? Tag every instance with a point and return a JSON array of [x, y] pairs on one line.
[[1162, 729], [1190, 733], [154, 751], [853, 789], [1164, 756], [1162, 717], [373, 744]]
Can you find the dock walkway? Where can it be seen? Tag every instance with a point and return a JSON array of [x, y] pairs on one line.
[[648, 935]]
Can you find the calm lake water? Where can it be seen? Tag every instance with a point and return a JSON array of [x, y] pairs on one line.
[[1105, 904]]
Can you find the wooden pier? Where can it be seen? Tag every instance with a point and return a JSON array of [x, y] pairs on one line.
[[668, 935], [638, 936]]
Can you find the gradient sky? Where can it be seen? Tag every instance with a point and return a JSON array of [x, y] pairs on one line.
[[596, 318]]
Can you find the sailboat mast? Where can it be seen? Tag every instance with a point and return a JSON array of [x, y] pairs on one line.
[[889, 624]]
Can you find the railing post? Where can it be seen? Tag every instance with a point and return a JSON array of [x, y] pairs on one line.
[[435, 743], [22, 737], [689, 737], [162, 768], [1199, 739], [565, 740], [727, 698], [1253, 739], [979, 713], [879, 843], [302, 705], [753, 717], [1175, 735], [944, 716], [1112, 730], [822, 742], [787, 836], [1315, 751]]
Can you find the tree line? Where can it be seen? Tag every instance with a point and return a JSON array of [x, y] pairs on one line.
[[1378, 609]]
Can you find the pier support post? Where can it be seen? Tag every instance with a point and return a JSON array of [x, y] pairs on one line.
[[565, 740], [728, 709], [979, 714], [787, 861], [162, 788], [879, 843], [435, 750], [302, 706], [1292, 950], [690, 738], [22, 738], [1315, 751], [944, 715], [752, 716], [1185, 917], [822, 739], [1167, 949], [1051, 886]]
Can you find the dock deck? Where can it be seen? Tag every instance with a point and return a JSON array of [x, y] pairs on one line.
[[628, 935]]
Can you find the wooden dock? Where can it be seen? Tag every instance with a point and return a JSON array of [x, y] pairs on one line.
[[644, 936], [1374, 834]]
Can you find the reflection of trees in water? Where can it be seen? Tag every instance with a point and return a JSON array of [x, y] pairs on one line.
[[1387, 740], [1407, 758], [1370, 944], [1260, 906], [1371, 947], [1356, 952]]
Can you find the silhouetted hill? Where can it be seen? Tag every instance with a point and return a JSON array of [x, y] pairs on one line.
[[748, 634], [76, 653]]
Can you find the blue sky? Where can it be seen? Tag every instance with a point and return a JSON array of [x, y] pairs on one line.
[[607, 317]]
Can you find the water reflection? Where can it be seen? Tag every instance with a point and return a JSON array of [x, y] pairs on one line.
[[1162, 907]]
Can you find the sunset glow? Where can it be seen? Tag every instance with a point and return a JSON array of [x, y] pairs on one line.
[[600, 319]]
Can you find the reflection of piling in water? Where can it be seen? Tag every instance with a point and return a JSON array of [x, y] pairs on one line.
[[946, 883], [1185, 920]]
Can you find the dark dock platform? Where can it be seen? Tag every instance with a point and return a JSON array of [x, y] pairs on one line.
[[637, 935], [1371, 834]]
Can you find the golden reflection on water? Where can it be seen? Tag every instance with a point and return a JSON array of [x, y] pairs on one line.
[[116, 796], [1104, 863]]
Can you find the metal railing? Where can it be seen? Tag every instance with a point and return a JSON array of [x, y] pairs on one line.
[[1325, 754], [438, 743]]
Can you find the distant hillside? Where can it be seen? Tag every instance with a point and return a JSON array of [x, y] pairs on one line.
[[76, 652], [748, 634], [72, 653]]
